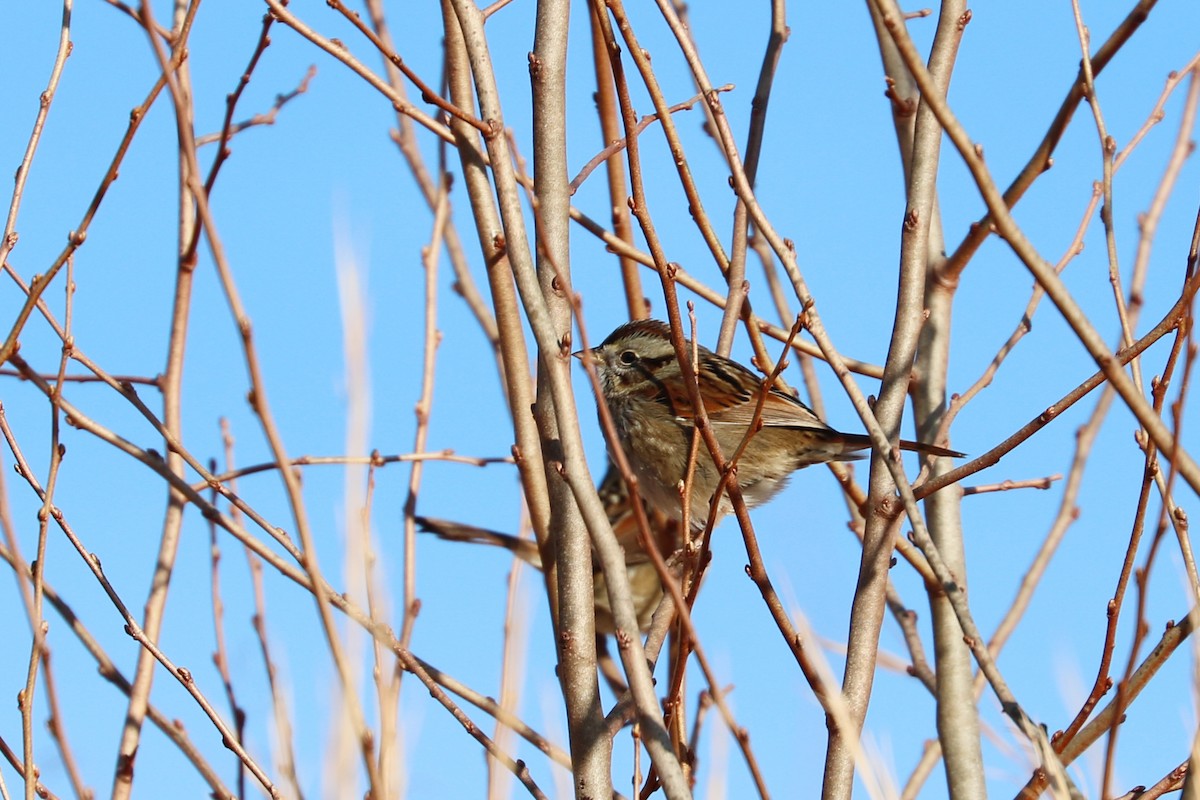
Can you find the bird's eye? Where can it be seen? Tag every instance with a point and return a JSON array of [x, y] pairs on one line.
[[628, 357]]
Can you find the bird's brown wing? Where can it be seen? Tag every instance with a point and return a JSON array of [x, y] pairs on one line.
[[730, 393], [779, 410], [728, 402]]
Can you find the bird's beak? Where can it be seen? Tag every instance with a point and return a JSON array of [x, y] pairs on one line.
[[587, 356]]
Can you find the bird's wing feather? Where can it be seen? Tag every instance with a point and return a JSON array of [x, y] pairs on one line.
[[730, 393]]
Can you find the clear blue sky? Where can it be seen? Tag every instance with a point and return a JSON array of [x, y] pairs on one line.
[[327, 172]]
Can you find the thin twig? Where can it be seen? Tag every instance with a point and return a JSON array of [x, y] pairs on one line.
[[1008, 485], [339, 52]]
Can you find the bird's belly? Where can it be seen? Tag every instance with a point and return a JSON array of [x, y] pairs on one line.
[[657, 448]]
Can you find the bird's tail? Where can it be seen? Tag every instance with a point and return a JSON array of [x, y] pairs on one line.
[[859, 441], [524, 549]]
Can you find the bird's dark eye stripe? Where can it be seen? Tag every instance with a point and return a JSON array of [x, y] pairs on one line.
[[652, 365]]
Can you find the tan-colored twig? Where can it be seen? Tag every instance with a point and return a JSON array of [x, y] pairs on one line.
[[176, 73], [38, 647], [636, 303], [1042, 158], [39, 123], [423, 409], [1009, 485], [39, 283]]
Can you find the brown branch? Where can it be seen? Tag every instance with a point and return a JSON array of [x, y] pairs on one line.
[[339, 52], [266, 118], [1172, 638]]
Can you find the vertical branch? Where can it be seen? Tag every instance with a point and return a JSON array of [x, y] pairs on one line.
[[916, 246], [591, 747], [738, 303], [432, 338], [957, 712], [177, 77], [610, 129], [424, 406]]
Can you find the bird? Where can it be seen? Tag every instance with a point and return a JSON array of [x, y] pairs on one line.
[[644, 581], [647, 395]]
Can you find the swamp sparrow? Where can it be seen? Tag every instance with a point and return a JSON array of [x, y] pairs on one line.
[[647, 395], [644, 581]]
